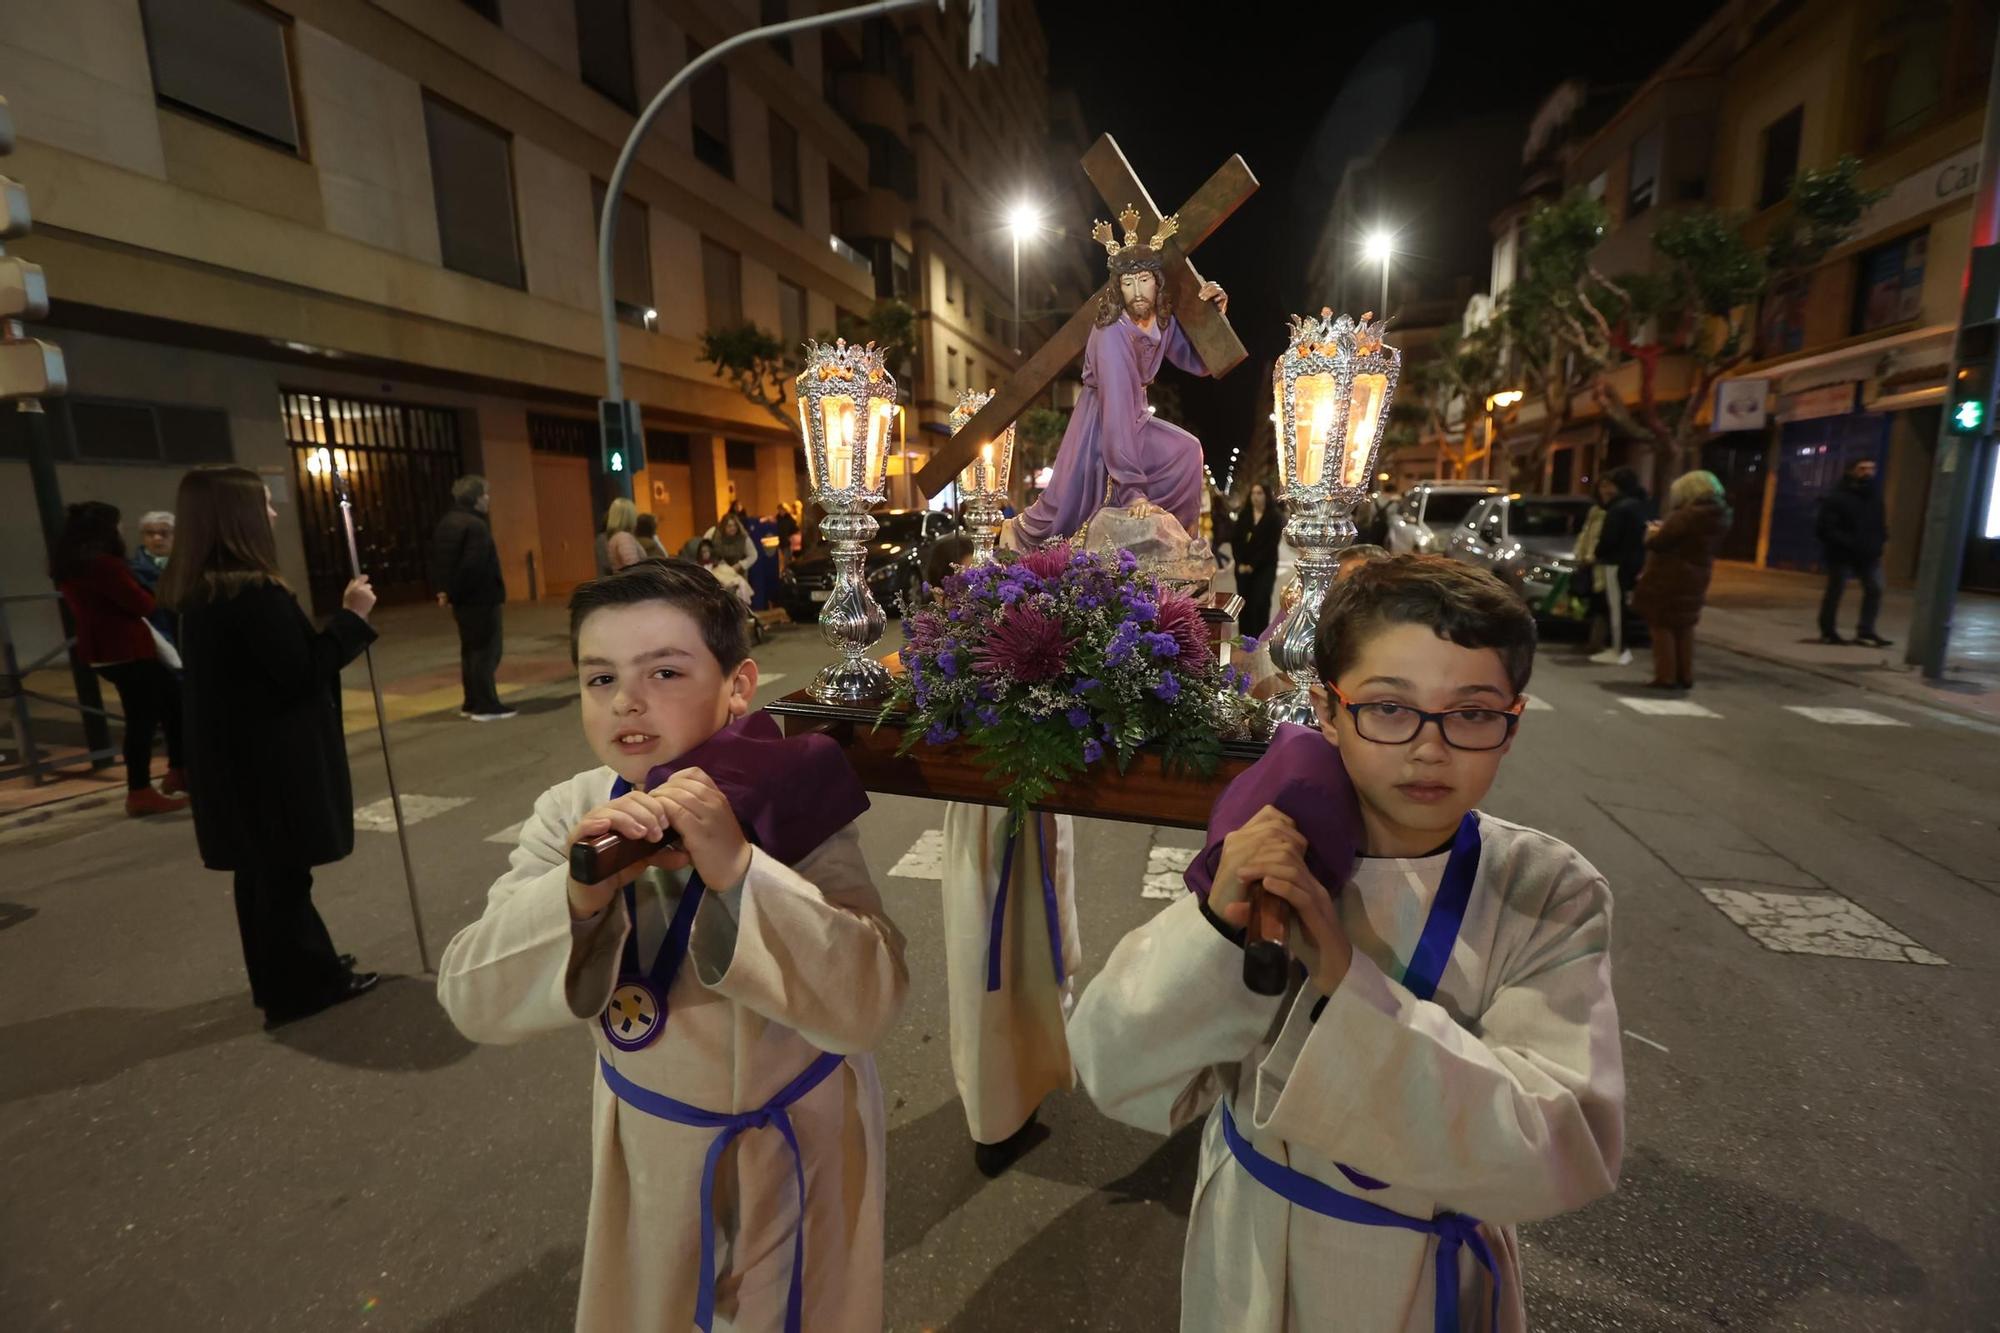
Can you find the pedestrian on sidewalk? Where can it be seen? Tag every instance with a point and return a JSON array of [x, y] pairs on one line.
[[156, 546], [1619, 557], [1256, 542], [786, 524], [268, 759], [618, 545], [465, 570], [116, 637], [1852, 531], [1674, 583], [647, 530]]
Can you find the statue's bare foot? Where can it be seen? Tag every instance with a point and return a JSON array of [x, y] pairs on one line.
[[1142, 508]]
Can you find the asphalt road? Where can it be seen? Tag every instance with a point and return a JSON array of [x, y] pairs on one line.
[[1811, 1138]]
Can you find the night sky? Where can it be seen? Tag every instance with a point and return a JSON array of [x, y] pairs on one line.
[[1182, 86]]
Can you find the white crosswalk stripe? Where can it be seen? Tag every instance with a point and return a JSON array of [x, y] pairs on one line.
[[925, 859], [1846, 717], [377, 817], [1668, 707], [1817, 923], [1164, 868], [1537, 704], [511, 834]]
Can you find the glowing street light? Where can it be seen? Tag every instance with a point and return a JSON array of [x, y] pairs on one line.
[[1023, 220], [1379, 246]]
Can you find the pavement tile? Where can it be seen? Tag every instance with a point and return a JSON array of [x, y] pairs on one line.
[[925, 859], [1165, 867], [1820, 923]]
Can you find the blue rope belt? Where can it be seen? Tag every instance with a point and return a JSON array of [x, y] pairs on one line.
[[771, 1113], [1453, 1230], [996, 932]]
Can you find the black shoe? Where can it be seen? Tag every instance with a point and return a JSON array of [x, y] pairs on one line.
[[1834, 639], [356, 983], [1874, 641], [347, 961], [994, 1158]]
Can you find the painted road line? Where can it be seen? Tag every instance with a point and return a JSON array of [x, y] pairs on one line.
[[1667, 707], [1648, 1040], [1165, 867], [1537, 704], [510, 834], [1820, 923], [377, 817], [925, 859], [1846, 717]]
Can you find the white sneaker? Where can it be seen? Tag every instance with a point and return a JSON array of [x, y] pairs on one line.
[[500, 716], [1611, 657]]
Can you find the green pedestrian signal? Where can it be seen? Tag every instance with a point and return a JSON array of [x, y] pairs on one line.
[[617, 463], [1968, 417]]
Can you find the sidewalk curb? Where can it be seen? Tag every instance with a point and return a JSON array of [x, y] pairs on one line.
[[1841, 678]]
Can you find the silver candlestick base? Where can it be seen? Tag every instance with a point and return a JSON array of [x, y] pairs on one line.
[[851, 620], [1319, 533], [983, 516]]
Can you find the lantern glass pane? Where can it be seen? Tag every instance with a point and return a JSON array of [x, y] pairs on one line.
[[806, 436], [1314, 426], [1364, 413], [881, 421], [838, 415]]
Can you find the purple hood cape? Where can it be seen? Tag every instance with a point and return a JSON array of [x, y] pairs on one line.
[[1302, 775], [790, 793]]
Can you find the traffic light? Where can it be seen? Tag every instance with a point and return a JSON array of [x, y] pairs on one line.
[[622, 439], [1969, 409]]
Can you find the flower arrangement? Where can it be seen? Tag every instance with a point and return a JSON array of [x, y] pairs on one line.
[[1061, 660]]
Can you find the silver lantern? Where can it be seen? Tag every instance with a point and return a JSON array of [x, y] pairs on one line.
[[1332, 389], [982, 486], [847, 413]]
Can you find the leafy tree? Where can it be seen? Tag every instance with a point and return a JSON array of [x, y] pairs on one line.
[[1538, 310], [1445, 395], [759, 366]]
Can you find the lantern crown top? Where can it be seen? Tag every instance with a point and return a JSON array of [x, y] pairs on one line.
[[1344, 336], [1133, 253], [842, 360], [969, 403]]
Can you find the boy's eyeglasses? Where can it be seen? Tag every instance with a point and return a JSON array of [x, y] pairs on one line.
[[1462, 728]]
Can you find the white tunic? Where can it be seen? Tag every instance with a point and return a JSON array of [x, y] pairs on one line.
[[1008, 1050], [1502, 1098], [797, 961]]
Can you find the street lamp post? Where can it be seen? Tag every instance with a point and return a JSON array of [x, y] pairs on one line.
[[1380, 246], [1022, 219]]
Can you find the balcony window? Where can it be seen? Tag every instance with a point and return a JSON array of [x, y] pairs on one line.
[[604, 49], [791, 316], [472, 180], [722, 284], [1890, 285], [776, 11], [1642, 181], [1781, 156], [785, 168], [632, 276], [710, 101], [223, 60]]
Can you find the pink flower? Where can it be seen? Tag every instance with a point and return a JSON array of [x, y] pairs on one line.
[[1026, 644], [1050, 562], [1180, 617]]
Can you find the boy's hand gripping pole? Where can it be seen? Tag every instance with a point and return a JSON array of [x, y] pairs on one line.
[[382, 729], [1267, 956]]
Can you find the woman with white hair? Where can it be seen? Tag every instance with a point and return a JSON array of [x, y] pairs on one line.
[[156, 544], [1680, 557]]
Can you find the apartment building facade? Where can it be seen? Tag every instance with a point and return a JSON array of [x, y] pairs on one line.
[[370, 225], [1849, 360]]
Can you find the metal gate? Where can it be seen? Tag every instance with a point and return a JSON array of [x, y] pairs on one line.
[[399, 462], [1812, 456]]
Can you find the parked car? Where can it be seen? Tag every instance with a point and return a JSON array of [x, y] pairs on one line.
[[1430, 510], [1528, 540], [894, 565]]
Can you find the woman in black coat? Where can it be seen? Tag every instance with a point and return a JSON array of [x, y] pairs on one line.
[[1256, 548], [267, 758]]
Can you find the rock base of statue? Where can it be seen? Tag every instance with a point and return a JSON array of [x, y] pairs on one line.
[[1162, 546]]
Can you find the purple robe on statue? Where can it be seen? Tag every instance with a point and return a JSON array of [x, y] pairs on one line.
[[1114, 441]]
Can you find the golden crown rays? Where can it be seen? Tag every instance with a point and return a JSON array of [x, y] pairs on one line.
[[1129, 219]]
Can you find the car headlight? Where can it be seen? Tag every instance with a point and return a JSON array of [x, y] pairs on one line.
[[881, 573]]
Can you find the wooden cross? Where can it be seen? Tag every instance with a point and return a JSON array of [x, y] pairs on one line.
[[1206, 327]]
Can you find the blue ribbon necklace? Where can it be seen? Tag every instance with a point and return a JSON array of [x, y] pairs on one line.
[[637, 1014]]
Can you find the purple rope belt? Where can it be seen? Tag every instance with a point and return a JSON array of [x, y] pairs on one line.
[[996, 933]]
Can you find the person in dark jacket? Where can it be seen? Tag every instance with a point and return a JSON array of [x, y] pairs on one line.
[[465, 570], [1674, 583], [1852, 532], [111, 612], [1255, 543], [1619, 556], [266, 752]]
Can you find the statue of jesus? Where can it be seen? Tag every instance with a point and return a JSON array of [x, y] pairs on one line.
[[1115, 451]]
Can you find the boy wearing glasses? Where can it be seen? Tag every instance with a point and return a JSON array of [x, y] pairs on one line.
[[1444, 1063]]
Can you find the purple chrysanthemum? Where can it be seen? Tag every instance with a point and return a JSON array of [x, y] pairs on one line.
[[1025, 643], [1092, 752], [1180, 617], [1048, 563]]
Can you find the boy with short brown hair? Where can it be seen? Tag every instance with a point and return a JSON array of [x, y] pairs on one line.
[[1444, 1063]]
